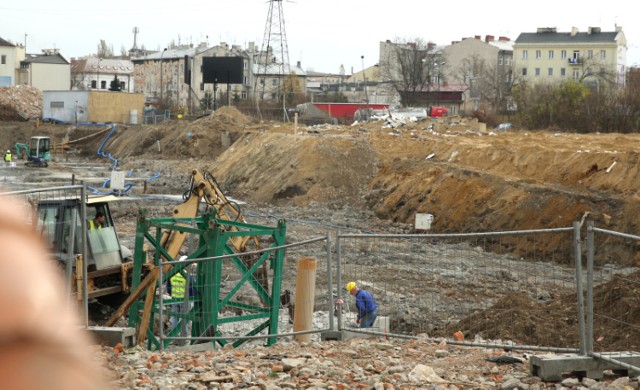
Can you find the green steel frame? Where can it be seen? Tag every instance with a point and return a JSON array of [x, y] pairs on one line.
[[209, 301]]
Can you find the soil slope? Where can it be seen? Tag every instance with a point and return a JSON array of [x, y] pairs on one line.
[[469, 180]]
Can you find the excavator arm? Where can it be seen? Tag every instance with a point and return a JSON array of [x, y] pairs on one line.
[[202, 187]]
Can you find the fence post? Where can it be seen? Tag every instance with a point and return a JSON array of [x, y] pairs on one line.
[[338, 276], [85, 252], [580, 293], [161, 306], [330, 283], [590, 261]]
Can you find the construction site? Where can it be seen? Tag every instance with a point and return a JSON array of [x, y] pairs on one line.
[[495, 265]]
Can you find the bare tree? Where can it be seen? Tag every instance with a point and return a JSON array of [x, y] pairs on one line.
[[105, 50], [411, 67]]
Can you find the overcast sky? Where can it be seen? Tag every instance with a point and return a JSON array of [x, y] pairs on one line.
[[321, 34]]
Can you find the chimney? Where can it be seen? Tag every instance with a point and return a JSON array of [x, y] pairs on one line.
[[593, 30], [431, 46], [478, 37], [299, 64], [504, 39], [618, 28], [489, 38], [574, 31]]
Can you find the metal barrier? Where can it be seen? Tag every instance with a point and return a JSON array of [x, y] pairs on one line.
[[488, 286], [241, 316], [613, 298], [49, 226]]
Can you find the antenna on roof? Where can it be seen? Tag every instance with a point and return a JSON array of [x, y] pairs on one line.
[[135, 31]]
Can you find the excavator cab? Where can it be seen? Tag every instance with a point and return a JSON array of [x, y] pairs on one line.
[[60, 225], [39, 151]]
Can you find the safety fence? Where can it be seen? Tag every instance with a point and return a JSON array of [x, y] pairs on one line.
[[218, 298], [522, 290], [612, 297], [49, 211], [486, 286]]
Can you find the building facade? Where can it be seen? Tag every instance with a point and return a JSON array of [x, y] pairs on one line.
[[594, 56], [484, 66], [93, 73], [48, 71], [10, 57]]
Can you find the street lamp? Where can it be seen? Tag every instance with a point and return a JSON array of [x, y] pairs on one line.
[[161, 72], [98, 78]]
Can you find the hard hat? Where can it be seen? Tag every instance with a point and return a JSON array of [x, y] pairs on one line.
[[350, 286], [8, 151]]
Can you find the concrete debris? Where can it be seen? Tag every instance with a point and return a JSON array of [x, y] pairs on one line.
[[21, 102], [351, 364]]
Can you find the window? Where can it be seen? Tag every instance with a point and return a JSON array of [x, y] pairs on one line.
[[602, 71], [576, 57], [550, 71], [525, 54], [244, 95], [3, 59], [507, 61], [202, 86], [551, 54], [576, 74], [537, 71], [93, 84], [262, 81], [123, 86], [538, 54], [563, 72], [524, 71], [603, 54], [500, 60], [563, 54], [103, 84], [589, 54], [274, 82], [57, 105]]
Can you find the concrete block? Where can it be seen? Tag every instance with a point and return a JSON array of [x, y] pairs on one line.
[[551, 368], [111, 336]]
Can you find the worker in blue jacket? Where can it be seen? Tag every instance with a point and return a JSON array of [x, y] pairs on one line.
[[365, 304]]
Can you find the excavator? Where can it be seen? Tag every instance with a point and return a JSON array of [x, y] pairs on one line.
[[222, 229]]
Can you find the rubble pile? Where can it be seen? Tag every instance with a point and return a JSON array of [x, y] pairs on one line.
[[20, 102], [370, 363]]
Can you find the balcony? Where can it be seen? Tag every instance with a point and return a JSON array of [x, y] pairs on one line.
[[575, 61]]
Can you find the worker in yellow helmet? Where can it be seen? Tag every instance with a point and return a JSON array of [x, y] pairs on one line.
[[365, 304], [7, 157]]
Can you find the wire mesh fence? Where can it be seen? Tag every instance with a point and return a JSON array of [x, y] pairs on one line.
[[484, 287], [613, 297], [217, 298]]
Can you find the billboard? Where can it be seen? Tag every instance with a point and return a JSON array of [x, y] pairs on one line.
[[222, 70]]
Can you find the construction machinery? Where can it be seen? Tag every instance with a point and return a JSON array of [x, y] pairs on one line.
[[220, 230], [108, 263], [37, 153]]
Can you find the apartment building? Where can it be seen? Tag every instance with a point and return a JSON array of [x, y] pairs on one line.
[[484, 66], [594, 56], [10, 57]]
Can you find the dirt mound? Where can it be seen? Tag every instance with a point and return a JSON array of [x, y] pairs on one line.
[[21, 102], [297, 169], [554, 322]]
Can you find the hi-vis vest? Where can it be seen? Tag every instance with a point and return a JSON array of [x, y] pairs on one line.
[[7, 157], [92, 225], [178, 283]]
